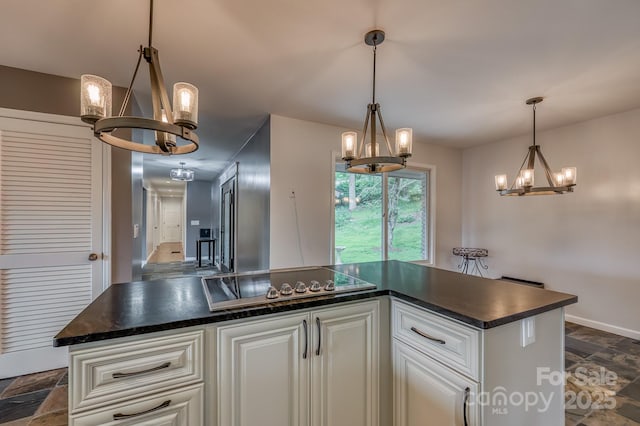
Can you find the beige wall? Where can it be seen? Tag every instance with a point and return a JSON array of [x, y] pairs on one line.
[[301, 157], [585, 243]]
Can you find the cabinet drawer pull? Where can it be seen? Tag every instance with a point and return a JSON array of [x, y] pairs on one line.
[[426, 336], [137, 373], [464, 405], [120, 416], [319, 335], [306, 339]]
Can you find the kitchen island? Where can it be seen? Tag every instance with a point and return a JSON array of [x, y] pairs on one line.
[[424, 342]]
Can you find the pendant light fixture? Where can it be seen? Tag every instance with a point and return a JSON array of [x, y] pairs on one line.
[[373, 161], [182, 174], [168, 123], [523, 184]]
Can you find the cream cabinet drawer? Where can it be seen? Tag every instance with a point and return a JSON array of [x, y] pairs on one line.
[[451, 343], [181, 407], [112, 373]]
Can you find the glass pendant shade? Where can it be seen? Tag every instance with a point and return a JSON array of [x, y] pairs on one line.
[[95, 98], [164, 136], [527, 176], [349, 145], [368, 151], [558, 179], [404, 140], [501, 182], [569, 175], [185, 104]]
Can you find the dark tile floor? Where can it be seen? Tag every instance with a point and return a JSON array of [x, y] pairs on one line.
[[603, 380], [36, 399], [41, 398], [153, 271]]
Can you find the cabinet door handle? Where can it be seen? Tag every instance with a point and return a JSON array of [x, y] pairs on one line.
[[319, 335], [121, 416], [426, 336], [306, 339], [464, 405], [137, 373]]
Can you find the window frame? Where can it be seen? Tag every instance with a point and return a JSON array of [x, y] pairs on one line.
[[430, 198]]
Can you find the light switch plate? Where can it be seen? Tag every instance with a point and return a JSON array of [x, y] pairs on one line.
[[528, 331], [195, 222]]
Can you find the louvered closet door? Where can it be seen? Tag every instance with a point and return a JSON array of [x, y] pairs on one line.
[[51, 221]]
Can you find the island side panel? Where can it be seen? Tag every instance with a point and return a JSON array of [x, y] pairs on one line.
[[524, 385]]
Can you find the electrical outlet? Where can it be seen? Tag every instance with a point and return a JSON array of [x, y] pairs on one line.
[[528, 331]]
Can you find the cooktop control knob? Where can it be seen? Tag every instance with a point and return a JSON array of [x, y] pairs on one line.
[[286, 290], [272, 293], [330, 285], [315, 286], [301, 287]]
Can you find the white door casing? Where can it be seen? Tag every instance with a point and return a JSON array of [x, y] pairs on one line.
[[51, 213]]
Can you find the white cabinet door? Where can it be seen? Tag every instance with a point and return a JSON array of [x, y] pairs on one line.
[[263, 374], [344, 381], [428, 393]]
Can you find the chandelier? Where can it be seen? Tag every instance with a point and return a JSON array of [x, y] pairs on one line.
[[168, 123], [523, 184], [182, 174], [372, 161]]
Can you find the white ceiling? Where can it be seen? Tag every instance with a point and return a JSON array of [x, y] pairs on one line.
[[456, 71]]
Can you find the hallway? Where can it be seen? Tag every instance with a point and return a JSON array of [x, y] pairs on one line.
[[167, 253]]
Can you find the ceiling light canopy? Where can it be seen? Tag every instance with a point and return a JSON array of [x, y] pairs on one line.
[[168, 123], [523, 184], [182, 174], [372, 161]]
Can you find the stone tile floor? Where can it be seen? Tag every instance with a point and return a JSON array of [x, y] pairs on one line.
[[34, 400], [41, 398], [154, 271], [612, 365]]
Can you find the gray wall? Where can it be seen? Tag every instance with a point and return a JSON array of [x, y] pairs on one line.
[[254, 181], [52, 94], [198, 208], [137, 192]]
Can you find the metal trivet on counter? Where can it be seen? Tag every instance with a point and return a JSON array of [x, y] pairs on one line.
[[475, 255]]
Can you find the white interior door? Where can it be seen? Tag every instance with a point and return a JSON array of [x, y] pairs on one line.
[[51, 214], [171, 219]]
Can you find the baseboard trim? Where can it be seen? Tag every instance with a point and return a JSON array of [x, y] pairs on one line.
[[632, 334]]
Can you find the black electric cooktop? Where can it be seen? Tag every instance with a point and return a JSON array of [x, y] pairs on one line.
[[257, 288]]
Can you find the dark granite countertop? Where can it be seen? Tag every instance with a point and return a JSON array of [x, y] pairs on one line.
[[147, 306]]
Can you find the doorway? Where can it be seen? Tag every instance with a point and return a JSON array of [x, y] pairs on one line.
[[167, 216], [227, 225]]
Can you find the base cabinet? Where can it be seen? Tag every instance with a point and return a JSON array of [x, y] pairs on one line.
[[428, 393], [318, 368]]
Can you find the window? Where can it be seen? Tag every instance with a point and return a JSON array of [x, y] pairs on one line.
[[379, 217]]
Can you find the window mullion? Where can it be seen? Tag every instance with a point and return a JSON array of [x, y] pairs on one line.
[[385, 213]]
